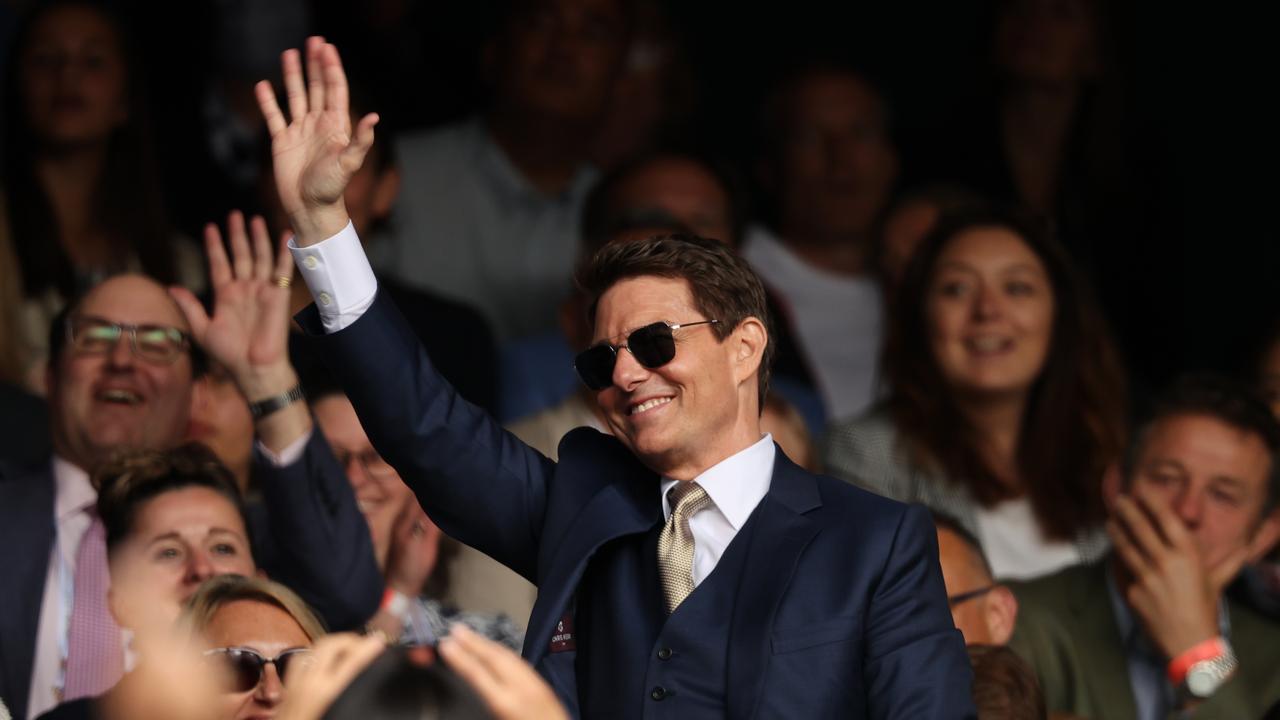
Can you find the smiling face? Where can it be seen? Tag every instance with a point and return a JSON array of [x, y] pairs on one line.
[[990, 310], [267, 630], [179, 539], [101, 402], [380, 492], [1212, 475], [73, 77], [696, 410]]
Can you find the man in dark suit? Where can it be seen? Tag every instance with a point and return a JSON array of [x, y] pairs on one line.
[[685, 567], [121, 378]]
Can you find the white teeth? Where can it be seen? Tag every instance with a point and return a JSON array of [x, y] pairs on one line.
[[649, 405], [121, 396]]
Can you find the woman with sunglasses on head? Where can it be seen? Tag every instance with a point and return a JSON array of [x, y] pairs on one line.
[[172, 520], [1006, 398]]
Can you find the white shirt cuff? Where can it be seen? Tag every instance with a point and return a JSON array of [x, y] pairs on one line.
[[289, 455], [339, 276]]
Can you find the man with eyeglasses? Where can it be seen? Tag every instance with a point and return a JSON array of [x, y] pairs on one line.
[[122, 368], [984, 611], [685, 566]]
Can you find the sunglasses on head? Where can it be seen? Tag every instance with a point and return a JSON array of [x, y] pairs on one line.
[[246, 666], [652, 346]]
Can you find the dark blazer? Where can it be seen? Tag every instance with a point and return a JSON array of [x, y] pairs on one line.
[[1067, 630], [846, 614], [307, 533]]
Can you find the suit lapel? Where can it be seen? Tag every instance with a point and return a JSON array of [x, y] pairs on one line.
[[781, 533], [618, 509], [27, 525], [1100, 645]]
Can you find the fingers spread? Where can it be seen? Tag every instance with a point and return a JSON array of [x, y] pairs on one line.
[[355, 152], [315, 80], [219, 268], [264, 260], [284, 258], [336, 97], [197, 318], [241, 257]]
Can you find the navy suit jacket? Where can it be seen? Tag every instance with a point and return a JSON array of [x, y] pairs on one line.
[[847, 616], [308, 533]]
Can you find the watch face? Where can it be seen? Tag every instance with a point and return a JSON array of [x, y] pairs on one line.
[[1202, 682]]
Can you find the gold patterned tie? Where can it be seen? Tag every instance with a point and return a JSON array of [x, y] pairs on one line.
[[675, 542]]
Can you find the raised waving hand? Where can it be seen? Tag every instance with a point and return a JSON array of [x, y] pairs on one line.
[[315, 151]]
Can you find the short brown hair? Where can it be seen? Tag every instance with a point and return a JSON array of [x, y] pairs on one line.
[[723, 286], [222, 590], [1004, 687], [130, 478]]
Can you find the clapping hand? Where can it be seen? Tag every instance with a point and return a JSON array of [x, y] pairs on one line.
[[315, 152]]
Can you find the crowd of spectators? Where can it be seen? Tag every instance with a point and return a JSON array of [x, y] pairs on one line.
[[957, 320]]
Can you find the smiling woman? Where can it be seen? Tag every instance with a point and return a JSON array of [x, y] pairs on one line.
[[1007, 399]]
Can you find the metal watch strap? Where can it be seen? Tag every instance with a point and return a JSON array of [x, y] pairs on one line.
[[1205, 677], [263, 408]]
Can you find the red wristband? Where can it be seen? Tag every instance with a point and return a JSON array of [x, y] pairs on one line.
[[1207, 650], [394, 602]]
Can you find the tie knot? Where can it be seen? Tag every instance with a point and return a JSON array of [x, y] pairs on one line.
[[687, 498]]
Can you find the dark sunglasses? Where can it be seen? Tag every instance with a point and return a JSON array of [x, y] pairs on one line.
[[246, 666], [954, 600], [652, 346]]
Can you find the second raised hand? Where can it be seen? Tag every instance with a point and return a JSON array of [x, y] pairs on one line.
[[314, 153]]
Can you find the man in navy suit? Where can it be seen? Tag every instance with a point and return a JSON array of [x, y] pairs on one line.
[[121, 377], [772, 593]]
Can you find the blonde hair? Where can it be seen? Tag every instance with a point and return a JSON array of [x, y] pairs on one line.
[[219, 591]]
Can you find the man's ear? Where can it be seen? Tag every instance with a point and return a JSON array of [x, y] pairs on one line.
[[1265, 537], [749, 340], [385, 191], [1001, 614]]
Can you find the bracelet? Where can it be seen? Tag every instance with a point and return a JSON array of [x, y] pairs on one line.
[[1207, 650], [263, 408]]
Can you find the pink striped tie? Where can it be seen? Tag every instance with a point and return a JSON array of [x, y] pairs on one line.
[[95, 658]]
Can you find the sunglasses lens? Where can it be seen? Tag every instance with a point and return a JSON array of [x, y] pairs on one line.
[[652, 345], [595, 367], [290, 659], [245, 671]]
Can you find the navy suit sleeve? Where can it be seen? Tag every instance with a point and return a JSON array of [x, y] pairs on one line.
[[917, 666], [312, 537], [479, 483]]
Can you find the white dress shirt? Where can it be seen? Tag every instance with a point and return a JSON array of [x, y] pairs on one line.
[[736, 485], [73, 496]]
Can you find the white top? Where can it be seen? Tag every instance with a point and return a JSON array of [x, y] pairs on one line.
[[837, 320], [72, 498], [736, 485], [1015, 547], [469, 225]]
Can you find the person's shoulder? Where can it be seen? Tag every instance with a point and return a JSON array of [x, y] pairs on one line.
[[1253, 636], [1051, 591], [866, 451]]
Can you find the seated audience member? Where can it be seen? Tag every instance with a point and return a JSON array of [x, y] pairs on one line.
[[1004, 687], [1147, 632], [412, 553], [489, 208], [455, 335], [355, 677], [82, 193], [170, 520], [253, 631], [124, 367], [984, 611], [909, 221], [1006, 400], [828, 170]]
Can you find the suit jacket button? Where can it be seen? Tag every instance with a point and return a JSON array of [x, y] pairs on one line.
[[664, 654], [659, 693]]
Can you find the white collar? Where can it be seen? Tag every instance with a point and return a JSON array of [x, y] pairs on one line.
[[736, 484], [72, 490]]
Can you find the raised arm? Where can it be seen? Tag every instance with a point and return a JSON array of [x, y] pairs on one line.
[[315, 152]]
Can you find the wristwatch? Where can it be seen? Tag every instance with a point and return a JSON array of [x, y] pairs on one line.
[[263, 408], [1206, 676]]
